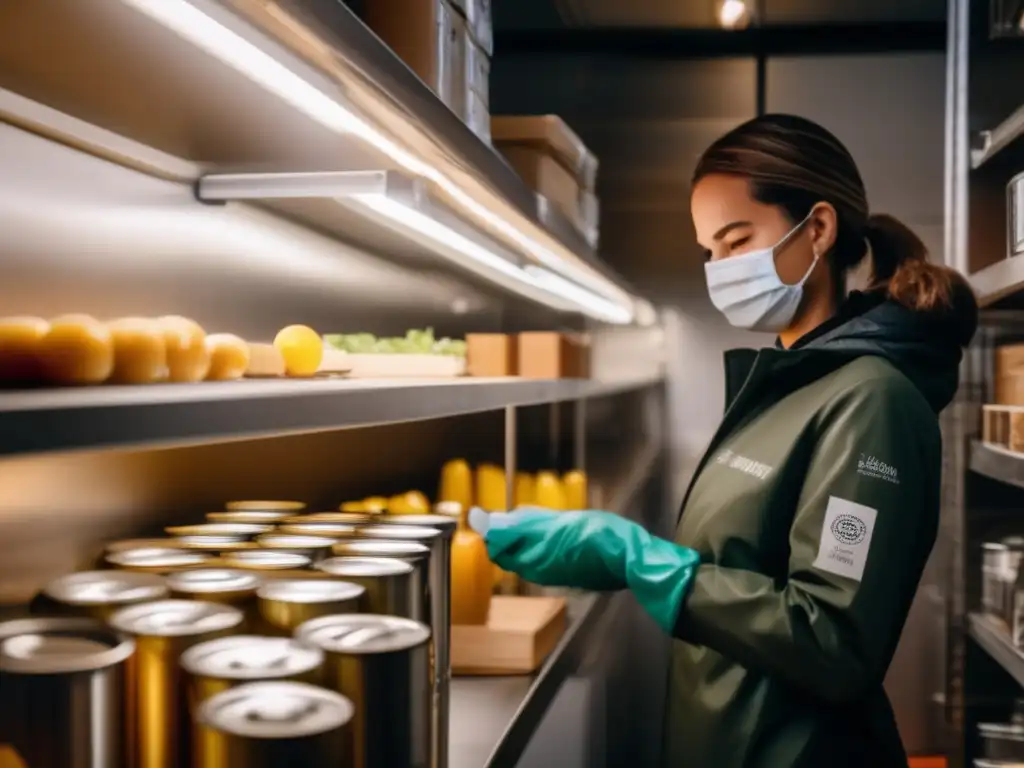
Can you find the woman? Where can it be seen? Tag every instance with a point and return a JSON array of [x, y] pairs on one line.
[[807, 525]]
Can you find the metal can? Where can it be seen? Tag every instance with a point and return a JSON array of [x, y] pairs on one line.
[[276, 724], [314, 547], [63, 683], [344, 518], [994, 567], [326, 530], [98, 594], [390, 584], [250, 516], [440, 603], [240, 531], [381, 663], [217, 544], [161, 560], [125, 544], [163, 631], [219, 665], [294, 507], [284, 604], [227, 586], [412, 552], [265, 560]]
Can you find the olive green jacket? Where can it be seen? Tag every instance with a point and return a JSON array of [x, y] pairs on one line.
[[814, 512]]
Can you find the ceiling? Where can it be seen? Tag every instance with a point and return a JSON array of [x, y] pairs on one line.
[[695, 14]]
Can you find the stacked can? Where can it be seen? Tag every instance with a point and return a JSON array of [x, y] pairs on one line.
[[272, 725], [284, 604], [163, 631], [63, 683], [98, 594], [389, 585], [382, 664], [220, 665]]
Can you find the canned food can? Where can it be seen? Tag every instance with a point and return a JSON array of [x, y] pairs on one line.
[[277, 724], [344, 518], [412, 552], [294, 507], [994, 569], [160, 560], [215, 544], [382, 664], [163, 631], [241, 531], [252, 516], [63, 683], [284, 604], [219, 665], [314, 547], [98, 594], [326, 530], [125, 544], [265, 560], [390, 584], [227, 586]]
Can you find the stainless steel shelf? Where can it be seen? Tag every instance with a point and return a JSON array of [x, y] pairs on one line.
[[999, 138], [993, 636], [161, 414], [997, 463], [494, 718], [999, 280]]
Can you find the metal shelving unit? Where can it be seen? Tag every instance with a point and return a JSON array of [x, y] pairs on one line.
[[993, 636], [997, 463], [998, 139]]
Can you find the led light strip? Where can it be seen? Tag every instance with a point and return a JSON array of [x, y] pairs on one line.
[[188, 20]]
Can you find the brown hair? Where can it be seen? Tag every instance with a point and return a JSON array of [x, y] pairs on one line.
[[794, 163]]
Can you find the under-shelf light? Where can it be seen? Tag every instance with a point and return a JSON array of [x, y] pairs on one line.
[[593, 305], [198, 22]]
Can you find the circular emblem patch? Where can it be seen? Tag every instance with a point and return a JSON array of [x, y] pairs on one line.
[[849, 529]]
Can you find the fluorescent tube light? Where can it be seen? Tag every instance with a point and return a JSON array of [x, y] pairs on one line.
[[198, 21], [595, 306]]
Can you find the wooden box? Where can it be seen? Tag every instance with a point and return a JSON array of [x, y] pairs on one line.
[[491, 354], [518, 636], [552, 355], [1008, 376]]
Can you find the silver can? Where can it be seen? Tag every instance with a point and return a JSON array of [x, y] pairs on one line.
[[326, 530], [219, 665], [159, 560], [271, 725], [314, 547], [412, 552], [63, 683], [390, 584], [381, 663], [265, 560], [98, 594], [284, 604], [227, 586], [244, 531]]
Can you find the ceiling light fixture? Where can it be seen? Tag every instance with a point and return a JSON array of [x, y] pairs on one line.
[[733, 14]]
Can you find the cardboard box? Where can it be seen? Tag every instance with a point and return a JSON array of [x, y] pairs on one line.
[[1008, 376], [550, 135], [478, 116], [552, 355], [491, 354], [546, 176], [477, 77]]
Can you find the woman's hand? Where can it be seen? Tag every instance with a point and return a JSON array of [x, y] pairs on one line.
[[590, 550]]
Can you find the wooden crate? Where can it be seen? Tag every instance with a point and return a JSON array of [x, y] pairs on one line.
[[519, 634], [1003, 426]]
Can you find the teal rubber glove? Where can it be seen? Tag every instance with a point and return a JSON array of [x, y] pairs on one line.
[[590, 550]]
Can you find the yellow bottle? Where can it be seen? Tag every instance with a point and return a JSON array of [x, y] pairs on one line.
[[375, 505], [352, 506], [575, 485], [524, 494], [549, 494], [456, 483], [491, 494], [471, 575], [408, 503]]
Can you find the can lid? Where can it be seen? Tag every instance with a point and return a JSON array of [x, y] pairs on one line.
[[994, 546], [176, 618], [357, 633], [264, 504], [349, 518], [452, 509], [106, 588], [123, 544], [214, 542], [251, 657], [276, 710], [1014, 542], [310, 591], [286, 541], [234, 530], [442, 522], [382, 548], [60, 646], [212, 580], [265, 558], [318, 529], [157, 557], [403, 532], [257, 516], [364, 566]]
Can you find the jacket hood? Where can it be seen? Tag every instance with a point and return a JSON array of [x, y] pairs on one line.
[[914, 342]]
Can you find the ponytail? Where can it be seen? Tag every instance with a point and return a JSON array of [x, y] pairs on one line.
[[901, 269]]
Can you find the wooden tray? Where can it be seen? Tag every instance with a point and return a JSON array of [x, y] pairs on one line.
[[518, 636]]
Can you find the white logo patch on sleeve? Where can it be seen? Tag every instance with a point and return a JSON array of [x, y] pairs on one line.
[[845, 538]]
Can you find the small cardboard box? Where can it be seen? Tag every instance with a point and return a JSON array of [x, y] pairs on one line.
[[552, 355], [491, 354]]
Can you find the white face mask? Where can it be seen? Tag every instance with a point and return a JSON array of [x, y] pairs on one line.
[[747, 288]]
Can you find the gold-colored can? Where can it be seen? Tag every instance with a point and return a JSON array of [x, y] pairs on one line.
[[220, 665], [260, 505], [326, 530], [277, 724], [390, 584], [314, 547], [159, 560], [227, 586], [250, 516], [163, 631], [382, 664], [284, 604], [242, 531], [215, 544], [412, 552], [344, 518], [98, 594], [265, 560], [124, 544]]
